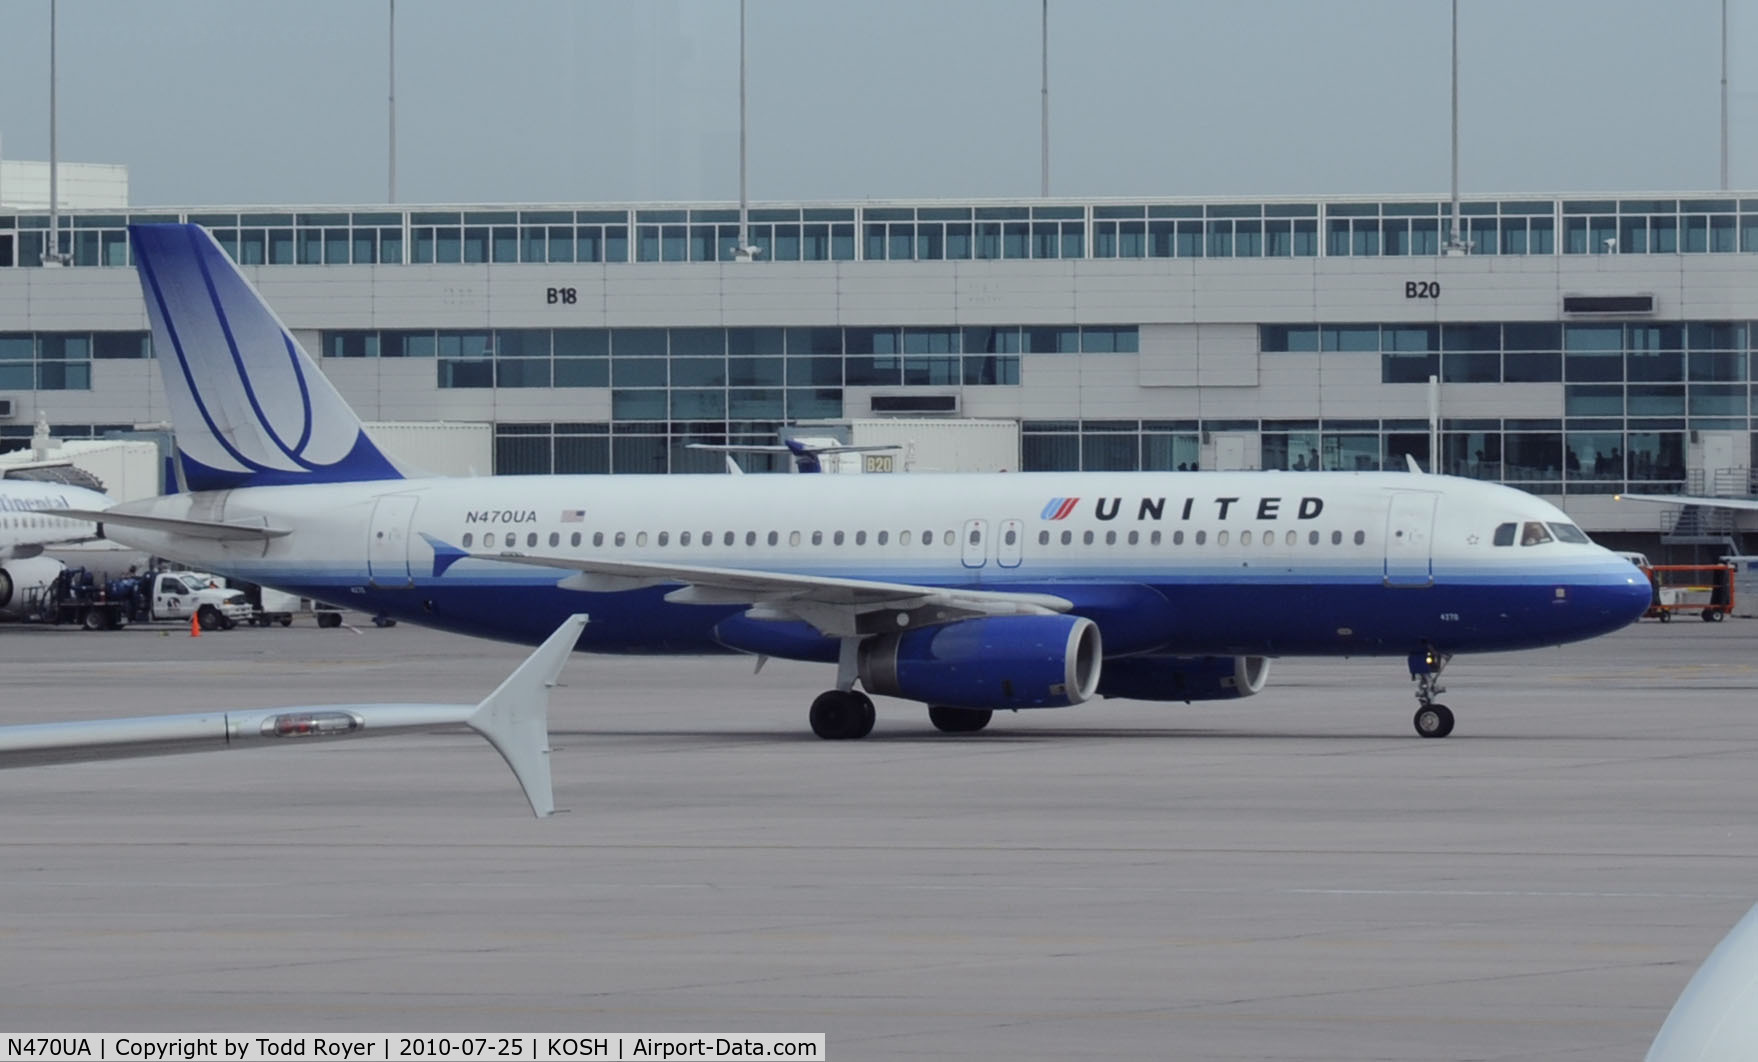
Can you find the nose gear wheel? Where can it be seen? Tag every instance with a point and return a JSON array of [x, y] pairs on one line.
[[1432, 720]]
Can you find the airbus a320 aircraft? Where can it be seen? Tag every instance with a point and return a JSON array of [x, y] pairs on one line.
[[34, 515], [967, 593]]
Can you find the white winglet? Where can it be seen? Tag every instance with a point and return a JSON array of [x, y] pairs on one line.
[[1716, 1016], [515, 717]]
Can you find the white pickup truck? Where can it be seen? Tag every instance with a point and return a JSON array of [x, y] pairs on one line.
[[180, 595]]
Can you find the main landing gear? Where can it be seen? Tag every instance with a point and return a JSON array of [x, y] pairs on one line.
[[847, 715], [959, 720], [1432, 720], [842, 715]]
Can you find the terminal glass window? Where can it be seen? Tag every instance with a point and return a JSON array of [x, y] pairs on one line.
[[1473, 455], [17, 361], [1346, 228]]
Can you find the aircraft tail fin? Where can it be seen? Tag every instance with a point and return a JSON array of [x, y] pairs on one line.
[[249, 406], [805, 458], [515, 717]]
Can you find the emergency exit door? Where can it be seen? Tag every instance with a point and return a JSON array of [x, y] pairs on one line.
[[976, 550]]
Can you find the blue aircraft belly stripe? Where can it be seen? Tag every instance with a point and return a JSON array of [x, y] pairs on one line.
[[1282, 612], [1272, 620]]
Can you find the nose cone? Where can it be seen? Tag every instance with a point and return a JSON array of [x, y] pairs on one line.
[[1613, 595]]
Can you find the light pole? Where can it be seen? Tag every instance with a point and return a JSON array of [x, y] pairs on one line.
[[391, 169], [1724, 95], [1455, 244], [53, 256], [1044, 100], [744, 252]]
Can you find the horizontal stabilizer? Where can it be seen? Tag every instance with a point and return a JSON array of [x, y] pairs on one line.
[[761, 448], [514, 719], [1687, 499], [209, 529]]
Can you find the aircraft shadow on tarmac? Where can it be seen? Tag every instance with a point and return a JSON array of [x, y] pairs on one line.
[[1017, 737]]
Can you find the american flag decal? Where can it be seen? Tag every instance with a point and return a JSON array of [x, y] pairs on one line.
[[1058, 509], [573, 516]]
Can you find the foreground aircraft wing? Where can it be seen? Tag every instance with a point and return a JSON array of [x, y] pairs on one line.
[[1716, 1016], [839, 608], [514, 719], [210, 529], [1686, 499]]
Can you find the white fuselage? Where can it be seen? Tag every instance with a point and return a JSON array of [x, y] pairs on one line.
[[1188, 562], [30, 521]]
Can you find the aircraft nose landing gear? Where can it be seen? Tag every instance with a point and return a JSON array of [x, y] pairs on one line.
[[1432, 720]]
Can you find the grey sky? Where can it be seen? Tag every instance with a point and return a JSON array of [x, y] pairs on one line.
[[221, 101]]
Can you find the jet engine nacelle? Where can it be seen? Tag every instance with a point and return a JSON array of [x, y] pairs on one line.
[[992, 662], [21, 579], [1184, 678]]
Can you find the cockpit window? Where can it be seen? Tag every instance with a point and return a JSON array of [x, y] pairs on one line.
[[1505, 534], [1570, 533], [1534, 534]]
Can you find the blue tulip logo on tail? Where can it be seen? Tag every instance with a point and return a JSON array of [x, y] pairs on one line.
[[250, 407]]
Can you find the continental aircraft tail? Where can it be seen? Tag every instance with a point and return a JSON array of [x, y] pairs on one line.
[[249, 406]]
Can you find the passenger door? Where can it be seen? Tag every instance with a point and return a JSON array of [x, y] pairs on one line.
[[1409, 539], [387, 544]]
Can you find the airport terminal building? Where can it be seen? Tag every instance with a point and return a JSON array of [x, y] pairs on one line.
[[1582, 346]]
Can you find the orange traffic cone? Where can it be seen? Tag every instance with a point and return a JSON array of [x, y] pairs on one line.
[[194, 626]]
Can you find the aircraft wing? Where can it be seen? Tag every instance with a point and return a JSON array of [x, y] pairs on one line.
[[7, 470], [514, 719], [838, 608], [1686, 499], [27, 550], [209, 529]]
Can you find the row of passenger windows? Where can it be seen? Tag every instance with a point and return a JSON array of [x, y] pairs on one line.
[[1010, 537], [1200, 538], [14, 523], [728, 538]]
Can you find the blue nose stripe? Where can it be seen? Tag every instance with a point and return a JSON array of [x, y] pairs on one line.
[[1617, 601]]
